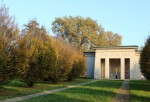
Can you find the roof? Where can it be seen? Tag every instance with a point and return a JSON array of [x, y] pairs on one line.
[[116, 47], [89, 52]]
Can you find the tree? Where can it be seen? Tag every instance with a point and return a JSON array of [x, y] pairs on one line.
[[8, 34], [77, 30], [145, 59], [113, 39], [84, 32], [102, 38], [65, 59], [36, 54]]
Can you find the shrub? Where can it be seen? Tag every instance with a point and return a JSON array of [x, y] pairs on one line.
[[77, 70]]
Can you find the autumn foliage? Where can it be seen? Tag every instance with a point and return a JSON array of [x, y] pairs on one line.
[[32, 55], [8, 34]]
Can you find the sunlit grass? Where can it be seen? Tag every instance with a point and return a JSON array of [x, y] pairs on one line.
[[17, 88], [101, 91], [140, 91]]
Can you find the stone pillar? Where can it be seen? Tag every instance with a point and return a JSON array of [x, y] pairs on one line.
[[132, 68], [122, 68], [107, 68], [97, 71]]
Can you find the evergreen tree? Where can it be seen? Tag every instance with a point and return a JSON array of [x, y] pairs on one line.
[[145, 60]]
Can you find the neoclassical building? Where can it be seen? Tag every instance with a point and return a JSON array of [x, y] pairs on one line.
[[121, 62]]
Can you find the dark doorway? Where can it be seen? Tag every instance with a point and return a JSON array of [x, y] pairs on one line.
[[127, 68], [114, 67], [102, 68]]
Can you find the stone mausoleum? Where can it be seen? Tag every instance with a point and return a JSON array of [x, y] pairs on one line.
[[120, 62]]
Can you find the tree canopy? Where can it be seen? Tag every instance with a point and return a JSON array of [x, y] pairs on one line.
[[84, 32]]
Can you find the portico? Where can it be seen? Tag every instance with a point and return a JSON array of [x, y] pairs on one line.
[[121, 62]]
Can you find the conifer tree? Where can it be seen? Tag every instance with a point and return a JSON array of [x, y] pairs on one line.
[[145, 59]]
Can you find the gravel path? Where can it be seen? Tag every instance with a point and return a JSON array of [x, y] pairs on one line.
[[124, 92]]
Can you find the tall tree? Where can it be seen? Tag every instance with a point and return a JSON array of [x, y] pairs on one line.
[[8, 35], [84, 32], [36, 54], [145, 59], [102, 38], [77, 30]]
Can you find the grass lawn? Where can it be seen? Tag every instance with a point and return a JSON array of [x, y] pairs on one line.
[[100, 91], [140, 91], [17, 88]]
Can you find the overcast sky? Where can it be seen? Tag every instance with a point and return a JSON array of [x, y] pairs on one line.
[[129, 18]]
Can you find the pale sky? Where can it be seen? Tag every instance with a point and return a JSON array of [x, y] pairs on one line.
[[129, 18]]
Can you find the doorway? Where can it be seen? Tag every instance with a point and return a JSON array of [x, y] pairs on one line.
[[114, 67], [127, 68], [102, 68]]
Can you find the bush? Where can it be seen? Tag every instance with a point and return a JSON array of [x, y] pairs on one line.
[[145, 60], [70, 60], [77, 70]]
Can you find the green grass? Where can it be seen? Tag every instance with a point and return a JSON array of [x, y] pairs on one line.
[[140, 91], [17, 88], [100, 91]]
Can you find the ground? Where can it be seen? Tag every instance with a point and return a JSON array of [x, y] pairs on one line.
[[140, 91], [100, 91]]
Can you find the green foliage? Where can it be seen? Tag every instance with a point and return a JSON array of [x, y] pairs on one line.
[[77, 30], [145, 60], [8, 35], [84, 32], [77, 70], [66, 56], [36, 54], [6, 68]]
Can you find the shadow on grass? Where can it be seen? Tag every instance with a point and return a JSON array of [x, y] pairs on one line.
[[106, 83], [77, 95], [135, 98], [142, 85], [101, 91], [140, 90], [55, 98]]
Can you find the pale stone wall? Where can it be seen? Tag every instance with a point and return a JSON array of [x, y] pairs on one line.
[[90, 59], [93, 69], [117, 54], [135, 70]]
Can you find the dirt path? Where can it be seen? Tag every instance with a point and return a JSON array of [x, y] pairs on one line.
[[124, 92], [16, 99]]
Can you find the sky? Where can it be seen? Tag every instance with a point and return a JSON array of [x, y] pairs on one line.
[[129, 18]]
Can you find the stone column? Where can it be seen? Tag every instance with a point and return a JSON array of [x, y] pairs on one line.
[[107, 68], [132, 68], [122, 68], [97, 71]]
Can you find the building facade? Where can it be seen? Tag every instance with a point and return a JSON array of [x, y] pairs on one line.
[[121, 62]]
